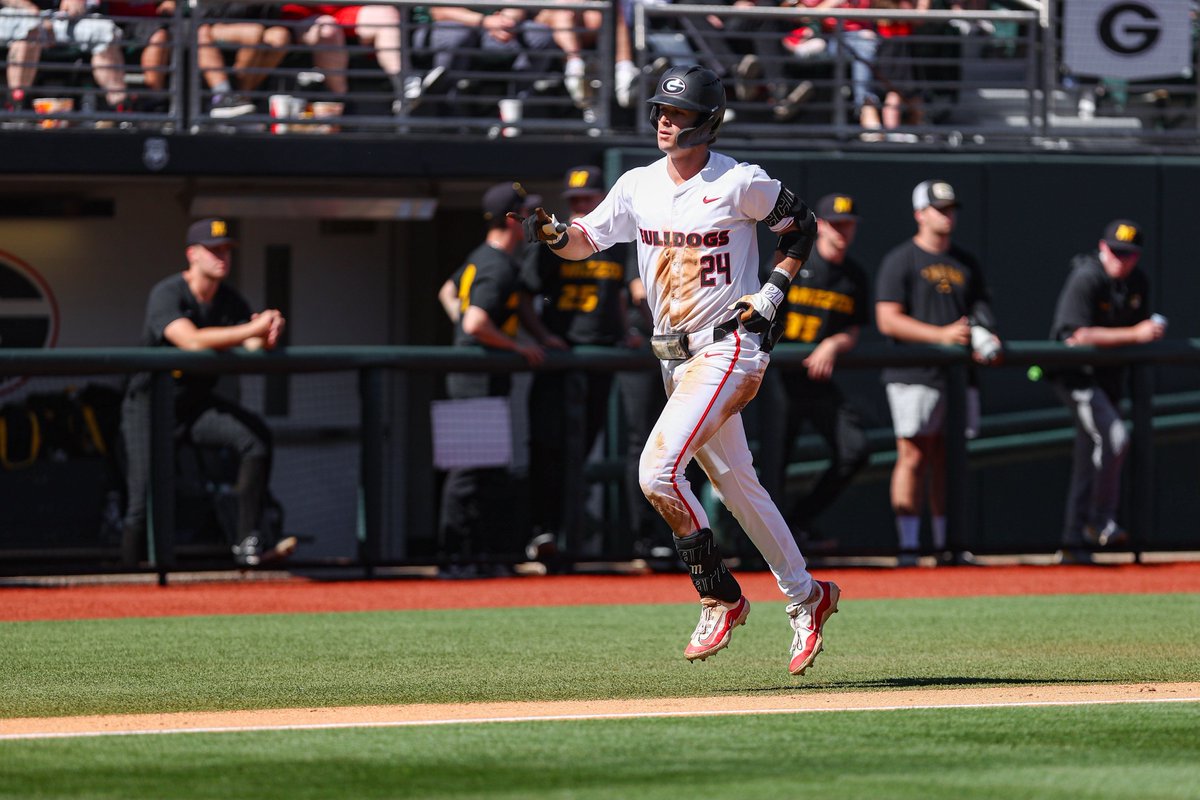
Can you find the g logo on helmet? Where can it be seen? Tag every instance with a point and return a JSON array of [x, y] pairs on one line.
[[674, 86]]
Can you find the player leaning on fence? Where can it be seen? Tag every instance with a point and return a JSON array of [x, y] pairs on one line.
[[693, 215], [1105, 302], [196, 310]]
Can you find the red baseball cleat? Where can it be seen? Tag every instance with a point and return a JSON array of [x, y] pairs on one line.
[[715, 629], [808, 619]]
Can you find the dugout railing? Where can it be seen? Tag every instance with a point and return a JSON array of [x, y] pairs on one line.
[[377, 425], [967, 78]]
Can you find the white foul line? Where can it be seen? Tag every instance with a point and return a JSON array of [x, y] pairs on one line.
[[587, 717]]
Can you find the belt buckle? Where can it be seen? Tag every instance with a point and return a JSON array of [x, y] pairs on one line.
[[670, 346]]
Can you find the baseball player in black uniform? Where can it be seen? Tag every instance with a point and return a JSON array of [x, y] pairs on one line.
[[582, 303], [194, 310], [489, 291], [826, 305], [928, 290], [1104, 303]]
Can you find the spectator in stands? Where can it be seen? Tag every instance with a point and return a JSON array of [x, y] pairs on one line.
[[895, 74], [476, 501], [857, 37], [826, 305], [262, 45], [574, 32], [327, 27], [625, 71], [506, 40], [152, 31], [1105, 302], [197, 310], [27, 26], [928, 290]]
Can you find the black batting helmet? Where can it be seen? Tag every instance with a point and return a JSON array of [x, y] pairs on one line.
[[693, 88]]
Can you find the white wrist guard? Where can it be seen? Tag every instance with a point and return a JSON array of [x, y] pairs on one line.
[[768, 299]]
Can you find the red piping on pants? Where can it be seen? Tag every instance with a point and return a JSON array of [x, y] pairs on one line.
[[675, 468]]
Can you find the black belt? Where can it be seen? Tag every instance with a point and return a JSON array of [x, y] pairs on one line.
[[678, 346]]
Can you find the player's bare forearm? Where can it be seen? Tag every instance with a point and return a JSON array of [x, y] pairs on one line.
[[577, 247], [184, 334], [448, 299], [844, 341], [1141, 333], [477, 324], [789, 264], [892, 321]]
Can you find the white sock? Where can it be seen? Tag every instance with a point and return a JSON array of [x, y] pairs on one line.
[[939, 532], [574, 66], [908, 526]]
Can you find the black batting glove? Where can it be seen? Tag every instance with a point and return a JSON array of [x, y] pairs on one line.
[[542, 227]]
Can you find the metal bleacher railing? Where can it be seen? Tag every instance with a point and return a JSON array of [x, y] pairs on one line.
[[378, 429], [965, 78]]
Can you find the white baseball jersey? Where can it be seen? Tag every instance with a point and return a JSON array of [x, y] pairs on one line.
[[697, 242], [698, 255]]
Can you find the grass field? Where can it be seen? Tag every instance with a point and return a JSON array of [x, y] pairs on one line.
[[314, 660]]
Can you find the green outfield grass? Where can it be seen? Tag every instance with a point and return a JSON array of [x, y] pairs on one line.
[[1138, 752], [200, 663], [227, 662]]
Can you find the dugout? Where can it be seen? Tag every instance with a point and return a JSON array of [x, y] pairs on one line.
[[346, 277]]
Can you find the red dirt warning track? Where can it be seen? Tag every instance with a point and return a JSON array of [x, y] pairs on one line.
[[298, 595]]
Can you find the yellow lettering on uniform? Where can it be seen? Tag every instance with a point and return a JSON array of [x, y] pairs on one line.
[[217, 228], [512, 322], [821, 298], [595, 270], [579, 297], [801, 327], [944, 277], [1126, 233], [842, 205], [464, 288], [578, 178]]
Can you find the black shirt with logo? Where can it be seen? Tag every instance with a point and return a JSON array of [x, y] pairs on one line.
[[488, 279], [824, 299], [937, 288], [1091, 298], [581, 300], [172, 299]]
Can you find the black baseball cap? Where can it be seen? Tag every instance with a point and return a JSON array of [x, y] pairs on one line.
[[936, 193], [837, 208], [505, 197], [583, 180], [1123, 236], [209, 232]]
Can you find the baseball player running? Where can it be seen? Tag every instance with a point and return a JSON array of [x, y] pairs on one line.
[[693, 216]]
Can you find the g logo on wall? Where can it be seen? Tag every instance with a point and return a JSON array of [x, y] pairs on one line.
[[1129, 28], [1132, 39], [28, 311]]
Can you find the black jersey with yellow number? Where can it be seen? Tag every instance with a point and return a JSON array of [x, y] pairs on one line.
[[581, 300], [824, 299], [488, 279], [937, 288]]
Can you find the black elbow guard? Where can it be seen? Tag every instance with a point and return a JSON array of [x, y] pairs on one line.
[[798, 243]]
